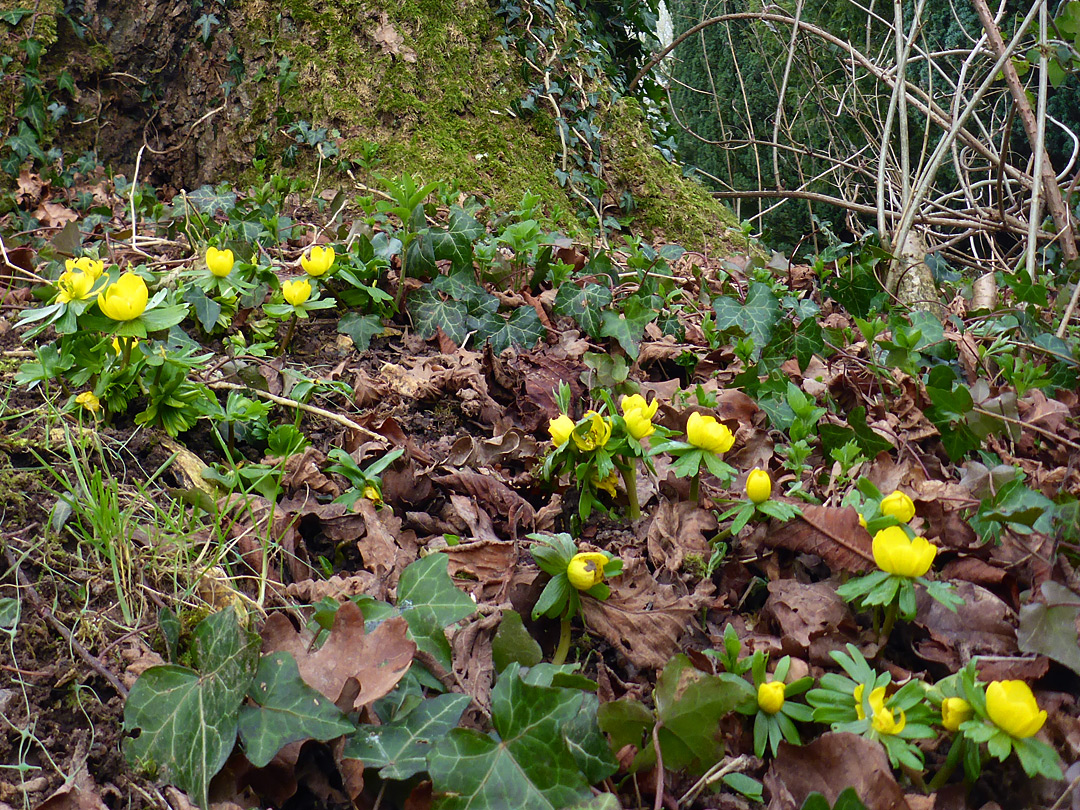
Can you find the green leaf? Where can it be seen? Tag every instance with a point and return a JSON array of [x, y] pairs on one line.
[[13, 16], [628, 325], [1050, 628], [523, 328], [836, 436], [525, 765], [746, 785], [627, 721], [186, 719], [587, 744], [361, 328], [755, 318], [513, 644], [208, 200], [461, 286], [429, 601], [158, 318], [848, 800], [430, 312], [400, 748], [584, 304], [207, 310], [286, 710], [9, 613], [689, 704]]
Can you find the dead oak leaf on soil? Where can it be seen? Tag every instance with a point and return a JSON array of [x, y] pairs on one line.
[[834, 534], [353, 668], [643, 619]]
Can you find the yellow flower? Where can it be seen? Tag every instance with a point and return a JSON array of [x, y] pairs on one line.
[[118, 347], [372, 494], [955, 711], [125, 299], [636, 402], [895, 553], [220, 262], [92, 267], [586, 569], [74, 285], [297, 291], [770, 696], [708, 434], [638, 422], [1013, 708], [607, 483], [883, 720], [758, 486], [862, 521], [597, 435], [899, 505], [857, 694], [560, 429], [317, 260], [89, 401]]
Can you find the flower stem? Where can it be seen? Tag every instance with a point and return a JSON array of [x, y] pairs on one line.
[[564, 643], [695, 493], [890, 619], [629, 477], [289, 335]]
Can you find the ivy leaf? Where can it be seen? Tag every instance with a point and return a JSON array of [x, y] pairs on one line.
[[755, 318], [584, 304], [460, 285], [455, 244], [400, 748], [14, 16], [420, 256], [513, 644], [207, 310], [587, 744], [835, 436], [525, 764], [625, 328], [361, 328], [429, 600], [209, 200], [523, 328], [430, 312], [286, 710], [187, 718]]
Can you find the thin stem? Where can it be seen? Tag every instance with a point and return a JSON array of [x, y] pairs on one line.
[[629, 477], [564, 643], [695, 487], [289, 335], [890, 619]]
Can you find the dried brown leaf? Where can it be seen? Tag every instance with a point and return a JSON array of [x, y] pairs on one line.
[[834, 534], [495, 496], [982, 625], [804, 612], [353, 668], [678, 529]]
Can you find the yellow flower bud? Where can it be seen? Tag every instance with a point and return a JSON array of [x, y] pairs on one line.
[[84, 264], [883, 719], [560, 429], [896, 553], [899, 505], [74, 285], [586, 569], [758, 486], [1012, 708], [220, 262], [317, 260], [770, 696], [708, 434], [372, 494], [638, 423], [89, 400], [597, 434], [296, 291], [125, 299], [955, 711]]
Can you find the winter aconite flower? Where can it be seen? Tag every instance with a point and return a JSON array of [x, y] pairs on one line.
[[296, 291], [708, 434], [372, 494], [220, 262], [586, 569], [317, 260], [560, 429], [758, 486], [955, 711], [770, 697], [597, 434], [883, 720], [89, 401], [638, 414], [92, 267], [896, 553], [1012, 708], [857, 693], [74, 285], [899, 506], [607, 483], [125, 299]]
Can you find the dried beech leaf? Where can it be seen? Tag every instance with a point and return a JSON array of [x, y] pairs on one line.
[[352, 668], [643, 619], [831, 533], [678, 529], [804, 612]]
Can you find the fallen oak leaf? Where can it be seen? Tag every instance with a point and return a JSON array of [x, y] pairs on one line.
[[353, 668]]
